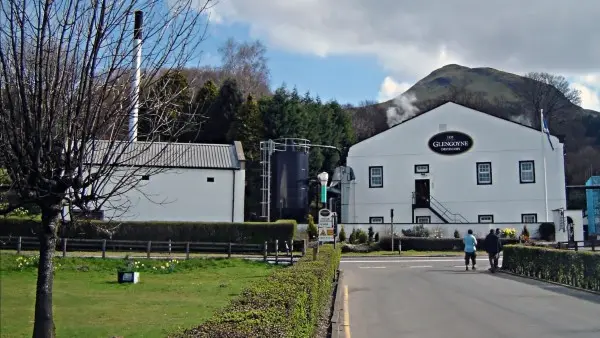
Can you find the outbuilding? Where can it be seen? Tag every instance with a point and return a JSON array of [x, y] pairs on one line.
[[186, 182]]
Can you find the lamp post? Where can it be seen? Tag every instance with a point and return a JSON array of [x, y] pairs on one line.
[[323, 179]]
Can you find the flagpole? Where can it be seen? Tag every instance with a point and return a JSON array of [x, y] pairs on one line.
[[544, 164]]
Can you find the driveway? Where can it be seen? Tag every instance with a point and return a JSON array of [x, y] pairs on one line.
[[436, 297]]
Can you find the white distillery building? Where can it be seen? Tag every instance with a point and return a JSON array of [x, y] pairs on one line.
[[185, 182], [453, 164]]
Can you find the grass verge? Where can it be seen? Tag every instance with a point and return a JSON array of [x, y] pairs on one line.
[[88, 302]]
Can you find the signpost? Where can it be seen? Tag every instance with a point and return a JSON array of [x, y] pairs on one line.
[[325, 228], [392, 226]]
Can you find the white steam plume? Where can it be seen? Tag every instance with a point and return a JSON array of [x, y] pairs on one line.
[[402, 110], [522, 119]]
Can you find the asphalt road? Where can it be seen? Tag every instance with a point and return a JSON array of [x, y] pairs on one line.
[[436, 297]]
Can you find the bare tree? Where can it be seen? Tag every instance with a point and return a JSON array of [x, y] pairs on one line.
[[552, 93], [247, 63], [65, 69]]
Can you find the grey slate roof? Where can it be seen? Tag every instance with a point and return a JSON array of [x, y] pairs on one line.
[[168, 155]]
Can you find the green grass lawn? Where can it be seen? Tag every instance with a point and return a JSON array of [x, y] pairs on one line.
[[88, 302]]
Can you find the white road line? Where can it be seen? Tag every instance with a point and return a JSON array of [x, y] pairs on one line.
[[421, 266], [406, 261], [371, 267]]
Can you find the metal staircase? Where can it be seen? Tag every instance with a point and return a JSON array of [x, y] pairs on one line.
[[440, 210]]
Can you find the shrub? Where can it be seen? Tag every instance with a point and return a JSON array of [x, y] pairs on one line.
[[575, 268], [352, 238], [417, 231], [456, 233], [508, 233], [371, 234], [312, 229], [361, 236], [250, 232], [525, 233], [289, 303], [547, 231], [376, 237], [342, 234]]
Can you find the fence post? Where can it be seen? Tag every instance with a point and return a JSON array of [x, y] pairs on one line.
[[64, 247], [169, 247], [103, 248], [229, 251], [266, 251], [276, 251], [19, 246], [148, 248], [303, 247], [576, 246], [187, 250], [292, 252]]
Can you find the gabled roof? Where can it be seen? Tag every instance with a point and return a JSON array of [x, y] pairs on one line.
[[169, 155], [560, 137]]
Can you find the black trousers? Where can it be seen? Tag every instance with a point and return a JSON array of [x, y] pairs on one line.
[[470, 256], [494, 259]]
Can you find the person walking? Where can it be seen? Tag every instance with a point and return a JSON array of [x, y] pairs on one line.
[[470, 249], [492, 246]]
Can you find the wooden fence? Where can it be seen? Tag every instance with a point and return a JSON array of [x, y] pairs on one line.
[[592, 244], [105, 245]]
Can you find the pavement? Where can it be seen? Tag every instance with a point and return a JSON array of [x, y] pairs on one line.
[[436, 297]]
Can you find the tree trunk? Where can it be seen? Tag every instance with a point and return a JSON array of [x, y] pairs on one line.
[[43, 326]]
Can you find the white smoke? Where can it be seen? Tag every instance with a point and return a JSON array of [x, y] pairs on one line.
[[403, 109], [522, 119]]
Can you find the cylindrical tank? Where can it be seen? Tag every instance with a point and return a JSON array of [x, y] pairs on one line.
[[289, 185]]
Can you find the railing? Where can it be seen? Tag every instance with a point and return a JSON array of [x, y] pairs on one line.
[[454, 217], [104, 245], [591, 244]]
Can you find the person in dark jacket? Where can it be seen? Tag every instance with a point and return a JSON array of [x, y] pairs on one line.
[[493, 247]]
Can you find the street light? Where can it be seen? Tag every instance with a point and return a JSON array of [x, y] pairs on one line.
[[323, 179]]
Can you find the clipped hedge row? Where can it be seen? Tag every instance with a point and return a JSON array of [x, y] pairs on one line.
[[286, 304], [249, 232], [576, 268], [433, 244]]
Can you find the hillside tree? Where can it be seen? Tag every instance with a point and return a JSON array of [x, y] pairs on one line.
[[65, 70], [246, 62], [221, 113], [550, 92]]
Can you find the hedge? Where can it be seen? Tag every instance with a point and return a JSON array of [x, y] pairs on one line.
[[576, 268], [433, 244], [250, 232], [289, 303]]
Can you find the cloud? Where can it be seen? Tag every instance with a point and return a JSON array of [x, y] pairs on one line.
[[412, 38], [590, 98], [390, 89]]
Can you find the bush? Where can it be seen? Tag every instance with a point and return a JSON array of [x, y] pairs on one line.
[[352, 238], [289, 303], [312, 230], [547, 231], [361, 236], [456, 233], [342, 235], [576, 268], [250, 232], [371, 234], [432, 244], [416, 231], [376, 237]]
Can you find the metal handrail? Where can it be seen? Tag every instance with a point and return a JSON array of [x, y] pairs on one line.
[[446, 212]]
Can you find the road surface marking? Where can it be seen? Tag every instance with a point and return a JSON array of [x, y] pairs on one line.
[[407, 261], [346, 313], [371, 267], [421, 266]]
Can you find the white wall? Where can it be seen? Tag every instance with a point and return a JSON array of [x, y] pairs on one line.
[[453, 177], [185, 195]]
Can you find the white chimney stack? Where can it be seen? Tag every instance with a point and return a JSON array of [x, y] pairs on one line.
[[137, 74]]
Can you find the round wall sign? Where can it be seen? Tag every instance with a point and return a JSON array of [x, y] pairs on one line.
[[450, 143]]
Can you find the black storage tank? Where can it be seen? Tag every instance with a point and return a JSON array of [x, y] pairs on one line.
[[289, 184]]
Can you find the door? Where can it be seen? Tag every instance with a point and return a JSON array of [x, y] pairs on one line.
[[422, 193]]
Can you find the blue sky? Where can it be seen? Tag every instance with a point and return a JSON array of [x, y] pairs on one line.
[[347, 79]]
